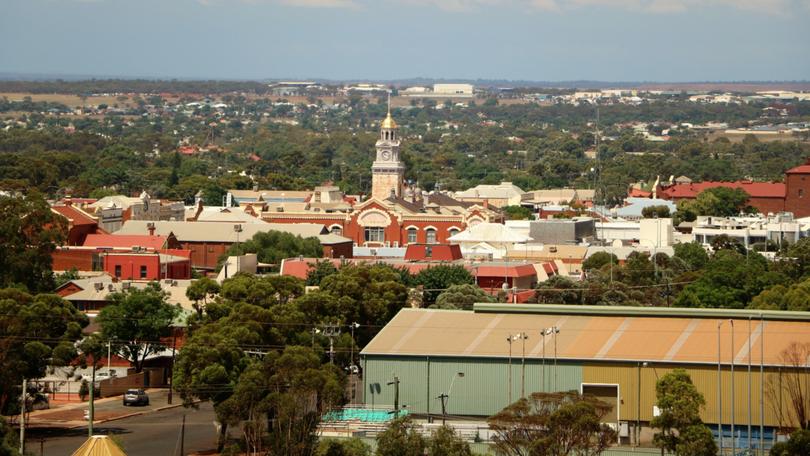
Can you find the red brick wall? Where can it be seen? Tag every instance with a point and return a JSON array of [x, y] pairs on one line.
[[344, 250], [205, 254], [767, 205], [798, 194], [66, 259], [131, 266]]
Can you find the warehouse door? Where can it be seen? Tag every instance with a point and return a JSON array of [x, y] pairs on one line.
[[605, 393]]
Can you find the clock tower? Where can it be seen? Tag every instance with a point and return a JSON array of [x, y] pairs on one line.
[[387, 172]]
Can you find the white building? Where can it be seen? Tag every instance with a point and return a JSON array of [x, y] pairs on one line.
[[752, 229], [455, 90]]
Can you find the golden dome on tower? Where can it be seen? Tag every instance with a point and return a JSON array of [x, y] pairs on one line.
[[388, 123]]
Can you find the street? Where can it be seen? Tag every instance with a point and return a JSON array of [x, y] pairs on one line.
[[155, 433]]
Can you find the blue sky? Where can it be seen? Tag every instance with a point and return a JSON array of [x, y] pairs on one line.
[[542, 40]]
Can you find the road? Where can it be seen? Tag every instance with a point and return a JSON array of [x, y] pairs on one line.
[[151, 434]]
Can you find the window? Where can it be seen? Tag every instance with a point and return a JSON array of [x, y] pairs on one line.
[[117, 272], [143, 271], [97, 262], [411, 235], [801, 193], [430, 235], [337, 230], [428, 251], [375, 234], [453, 232]]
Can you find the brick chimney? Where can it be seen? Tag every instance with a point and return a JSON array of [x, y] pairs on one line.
[[151, 228]]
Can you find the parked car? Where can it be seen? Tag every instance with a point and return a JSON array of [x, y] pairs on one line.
[[136, 397], [99, 376]]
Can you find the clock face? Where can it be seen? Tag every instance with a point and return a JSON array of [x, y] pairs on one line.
[[386, 155]]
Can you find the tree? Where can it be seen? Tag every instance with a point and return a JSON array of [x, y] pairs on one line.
[[200, 291], [29, 234], [681, 430], [462, 297], [343, 447], [791, 384], [795, 297], [552, 424], [797, 445], [273, 246], [719, 201], [445, 442], [517, 213], [558, 290], [693, 254], [661, 211], [137, 320], [400, 438], [37, 332], [436, 279], [319, 270], [8, 441], [598, 260]]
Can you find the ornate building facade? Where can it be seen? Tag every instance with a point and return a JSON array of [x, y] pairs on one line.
[[394, 215]]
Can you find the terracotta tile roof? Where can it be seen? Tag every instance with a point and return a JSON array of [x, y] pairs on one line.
[[74, 215], [754, 189], [803, 169]]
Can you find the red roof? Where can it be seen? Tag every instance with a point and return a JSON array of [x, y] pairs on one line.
[[494, 270], [639, 193], [802, 169], [74, 215], [125, 241], [754, 189]]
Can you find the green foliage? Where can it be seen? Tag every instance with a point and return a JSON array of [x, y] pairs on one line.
[[200, 291], [8, 440], [462, 297], [552, 424], [29, 234], [137, 319], [797, 445], [343, 447], [517, 213], [796, 260], [558, 290], [692, 254], [273, 246], [655, 212], [65, 277], [38, 331], [436, 279], [445, 442], [400, 439], [718, 201], [729, 280], [795, 297], [598, 260], [681, 430], [319, 270]]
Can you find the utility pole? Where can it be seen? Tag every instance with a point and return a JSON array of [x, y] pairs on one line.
[[171, 371], [509, 380], [92, 410], [523, 336], [331, 331], [396, 395], [443, 397], [22, 417], [183, 436]]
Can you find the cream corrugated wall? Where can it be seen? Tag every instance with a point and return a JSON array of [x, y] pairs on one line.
[[705, 379]]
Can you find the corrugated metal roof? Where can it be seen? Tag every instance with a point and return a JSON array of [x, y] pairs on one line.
[[595, 333], [218, 231]]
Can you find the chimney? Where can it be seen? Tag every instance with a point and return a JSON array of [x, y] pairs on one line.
[[486, 204], [151, 228]]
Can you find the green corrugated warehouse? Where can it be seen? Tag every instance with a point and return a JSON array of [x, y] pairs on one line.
[[616, 353]]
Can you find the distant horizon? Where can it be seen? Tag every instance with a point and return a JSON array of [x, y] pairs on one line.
[[51, 77]]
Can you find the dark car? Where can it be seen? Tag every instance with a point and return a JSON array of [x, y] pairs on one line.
[[136, 397]]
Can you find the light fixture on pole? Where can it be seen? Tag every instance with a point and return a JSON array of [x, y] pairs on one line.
[[733, 399], [523, 336], [445, 397], [509, 339], [353, 370], [719, 390]]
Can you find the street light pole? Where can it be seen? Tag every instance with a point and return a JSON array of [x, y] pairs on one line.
[[719, 390], [509, 375], [523, 336], [556, 331], [733, 399]]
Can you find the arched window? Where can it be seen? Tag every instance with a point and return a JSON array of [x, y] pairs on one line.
[[430, 236], [412, 235], [453, 232], [336, 229]]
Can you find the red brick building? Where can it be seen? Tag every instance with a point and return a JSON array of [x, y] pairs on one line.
[[80, 224], [395, 215], [766, 197]]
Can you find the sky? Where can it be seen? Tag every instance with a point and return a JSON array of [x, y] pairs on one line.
[[536, 40]]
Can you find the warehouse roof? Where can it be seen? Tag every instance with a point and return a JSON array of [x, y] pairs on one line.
[[592, 333], [218, 231]]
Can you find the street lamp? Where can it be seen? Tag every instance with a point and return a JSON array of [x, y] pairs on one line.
[[509, 339], [445, 397], [523, 336], [719, 390], [352, 368]]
